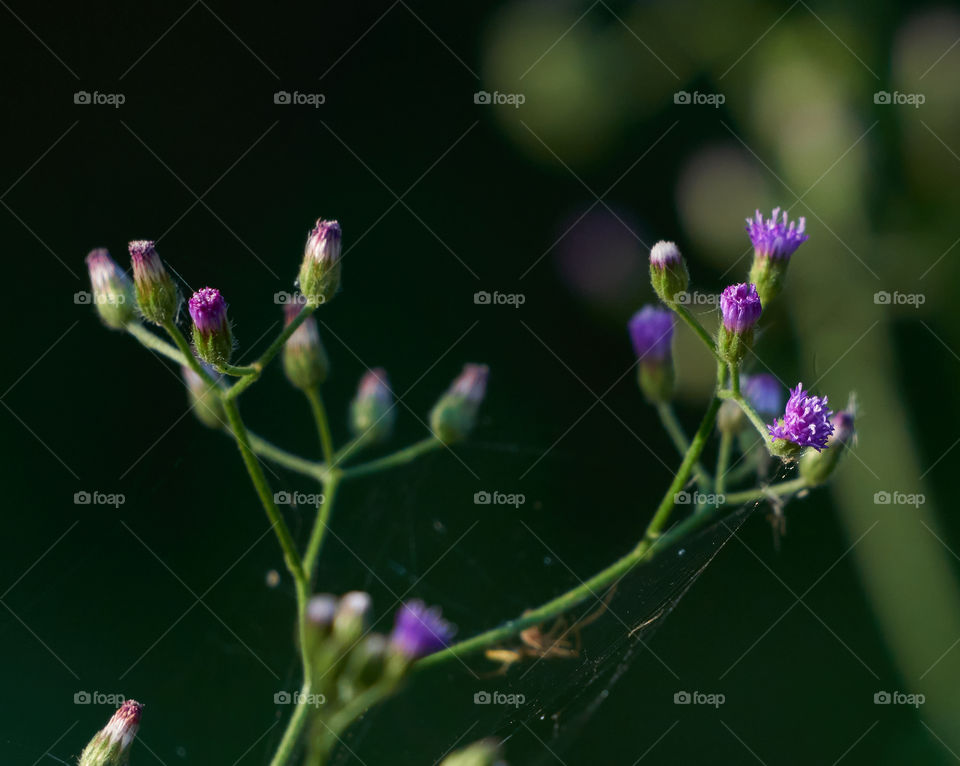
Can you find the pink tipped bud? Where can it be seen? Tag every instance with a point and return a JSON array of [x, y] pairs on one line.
[[111, 745], [112, 290], [320, 270], [372, 412], [211, 330], [455, 414], [157, 296]]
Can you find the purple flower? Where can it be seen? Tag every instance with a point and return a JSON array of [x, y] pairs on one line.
[[651, 331], [419, 631], [665, 254], [208, 310], [773, 239], [764, 392], [740, 306], [805, 422]]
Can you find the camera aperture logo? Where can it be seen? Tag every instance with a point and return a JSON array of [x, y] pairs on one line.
[[299, 698], [496, 298], [516, 100], [899, 698], [715, 700], [86, 98], [483, 497], [286, 98], [498, 698], [310, 500], [900, 99], [98, 698], [116, 499], [685, 98]]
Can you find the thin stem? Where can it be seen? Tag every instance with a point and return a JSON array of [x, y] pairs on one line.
[[723, 460], [760, 493], [750, 413], [353, 446], [673, 428], [323, 423], [151, 341], [400, 457], [291, 734], [735, 379], [174, 332], [320, 524], [229, 369], [295, 463], [684, 313]]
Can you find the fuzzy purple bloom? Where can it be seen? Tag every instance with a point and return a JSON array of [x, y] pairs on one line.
[[323, 242], [764, 392], [805, 422], [740, 306], [147, 265], [419, 630], [776, 239], [208, 310], [665, 254], [651, 331]]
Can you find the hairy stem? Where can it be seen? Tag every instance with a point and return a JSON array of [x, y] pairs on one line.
[[151, 341]]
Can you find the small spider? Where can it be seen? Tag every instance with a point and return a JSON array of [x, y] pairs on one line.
[[554, 642]]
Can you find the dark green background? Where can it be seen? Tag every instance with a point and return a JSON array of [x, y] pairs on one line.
[[87, 409]]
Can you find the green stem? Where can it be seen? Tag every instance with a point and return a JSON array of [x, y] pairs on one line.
[[684, 313], [673, 428], [760, 493], [723, 460], [750, 413], [229, 369], [280, 456], [735, 379], [291, 734], [354, 445], [400, 457], [154, 343], [174, 332], [346, 715], [318, 533], [323, 423]]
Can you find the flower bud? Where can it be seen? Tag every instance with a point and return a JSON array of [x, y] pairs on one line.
[[157, 296], [320, 271], [111, 745], [211, 330], [740, 307], [773, 243], [651, 332], [455, 413], [486, 752], [805, 423], [419, 630], [364, 667], [372, 412], [204, 398], [305, 360], [668, 271], [112, 290], [816, 467], [353, 617]]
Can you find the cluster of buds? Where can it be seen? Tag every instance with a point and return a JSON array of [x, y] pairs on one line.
[[111, 745]]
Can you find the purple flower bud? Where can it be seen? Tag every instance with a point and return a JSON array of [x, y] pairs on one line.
[[111, 745], [419, 631], [112, 290], [157, 296], [774, 241], [805, 423], [740, 306], [764, 392], [651, 332], [372, 412], [305, 360], [668, 271], [320, 270], [455, 413], [211, 330]]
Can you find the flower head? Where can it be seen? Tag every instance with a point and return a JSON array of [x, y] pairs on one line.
[[157, 296], [740, 306], [805, 422], [455, 413], [668, 271], [773, 238], [112, 289], [111, 745], [419, 630], [651, 332], [211, 330], [764, 392], [305, 360], [320, 270], [665, 254], [372, 412]]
